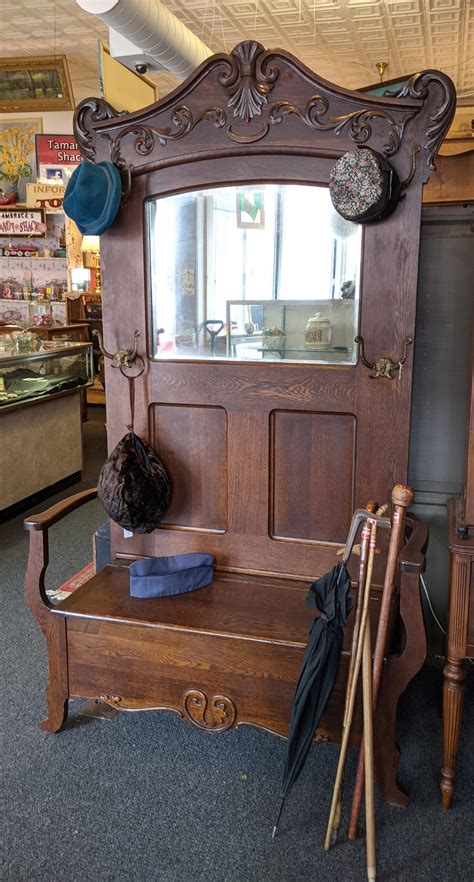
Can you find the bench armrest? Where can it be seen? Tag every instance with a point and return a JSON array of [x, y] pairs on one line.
[[412, 555], [38, 558], [52, 515]]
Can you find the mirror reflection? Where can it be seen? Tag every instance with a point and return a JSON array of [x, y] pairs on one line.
[[266, 272]]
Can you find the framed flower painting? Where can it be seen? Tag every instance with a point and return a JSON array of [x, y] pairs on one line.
[[17, 157]]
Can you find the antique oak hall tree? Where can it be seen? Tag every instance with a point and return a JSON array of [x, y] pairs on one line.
[[248, 290]]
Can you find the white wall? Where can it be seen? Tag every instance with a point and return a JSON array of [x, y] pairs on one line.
[[54, 122]]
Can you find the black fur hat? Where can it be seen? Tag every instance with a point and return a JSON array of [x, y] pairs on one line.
[[133, 485]]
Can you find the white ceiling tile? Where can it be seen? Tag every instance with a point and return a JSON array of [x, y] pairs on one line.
[[341, 40], [402, 7]]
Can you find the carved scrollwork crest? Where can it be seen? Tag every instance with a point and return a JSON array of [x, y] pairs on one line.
[[246, 77], [216, 713], [418, 86], [358, 121], [91, 110], [183, 122], [249, 80]]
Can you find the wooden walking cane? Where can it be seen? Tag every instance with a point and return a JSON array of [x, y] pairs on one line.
[[367, 703], [402, 497], [364, 546], [353, 686]]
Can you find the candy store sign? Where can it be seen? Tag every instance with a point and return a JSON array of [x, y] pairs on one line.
[[47, 196], [57, 150], [22, 223]]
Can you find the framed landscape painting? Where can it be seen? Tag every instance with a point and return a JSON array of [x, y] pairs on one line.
[[35, 83]]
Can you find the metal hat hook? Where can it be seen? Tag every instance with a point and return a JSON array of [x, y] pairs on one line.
[[383, 366], [122, 358]]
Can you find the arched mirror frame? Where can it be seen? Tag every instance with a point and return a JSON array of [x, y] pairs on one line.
[[222, 267]]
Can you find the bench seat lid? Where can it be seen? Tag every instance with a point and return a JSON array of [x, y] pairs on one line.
[[235, 605]]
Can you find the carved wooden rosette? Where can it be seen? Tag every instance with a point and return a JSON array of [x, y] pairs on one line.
[[215, 713], [247, 98]]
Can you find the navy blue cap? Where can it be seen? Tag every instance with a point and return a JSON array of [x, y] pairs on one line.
[[164, 576]]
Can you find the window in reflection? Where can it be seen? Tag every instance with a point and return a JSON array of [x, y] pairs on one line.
[[260, 272]]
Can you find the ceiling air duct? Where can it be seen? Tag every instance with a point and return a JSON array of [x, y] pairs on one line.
[[152, 29]]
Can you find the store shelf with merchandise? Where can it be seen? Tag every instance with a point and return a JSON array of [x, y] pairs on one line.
[[50, 286], [28, 256], [34, 270]]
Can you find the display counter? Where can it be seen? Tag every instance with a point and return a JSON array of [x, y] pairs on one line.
[[77, 332], [40, 420]]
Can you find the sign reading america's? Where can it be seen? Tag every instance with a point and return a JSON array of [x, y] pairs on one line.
[[22, 223]]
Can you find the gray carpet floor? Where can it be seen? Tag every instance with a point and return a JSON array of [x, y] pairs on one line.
[[147, 797]]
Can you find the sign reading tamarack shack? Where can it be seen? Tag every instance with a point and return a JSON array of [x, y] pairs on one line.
[[56, 157], [22, 223]]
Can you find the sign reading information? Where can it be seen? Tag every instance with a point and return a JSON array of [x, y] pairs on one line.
[[22, 223], [49, 197]]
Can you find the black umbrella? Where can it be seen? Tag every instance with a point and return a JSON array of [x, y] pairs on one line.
[[329, 595]]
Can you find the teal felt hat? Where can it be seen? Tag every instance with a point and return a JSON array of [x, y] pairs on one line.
[[92, 197]]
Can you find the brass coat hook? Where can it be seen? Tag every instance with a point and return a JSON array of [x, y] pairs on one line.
[[122, 358], [384, 366]]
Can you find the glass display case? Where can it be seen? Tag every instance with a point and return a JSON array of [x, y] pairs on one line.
[[56, 367], [261, 272], [292, 330]]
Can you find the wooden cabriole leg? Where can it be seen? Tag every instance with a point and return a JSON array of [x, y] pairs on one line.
[[454, 677]]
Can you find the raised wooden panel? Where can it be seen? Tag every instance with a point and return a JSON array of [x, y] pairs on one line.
[[248, 473], [192, 442], [312, 475]]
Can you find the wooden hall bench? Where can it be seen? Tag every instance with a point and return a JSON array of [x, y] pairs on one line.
[[225, 655], [270, 442]]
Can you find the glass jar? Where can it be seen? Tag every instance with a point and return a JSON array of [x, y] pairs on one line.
[[40, 313], [318, 332]]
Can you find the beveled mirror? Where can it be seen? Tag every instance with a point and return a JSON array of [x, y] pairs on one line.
[[230, 278]]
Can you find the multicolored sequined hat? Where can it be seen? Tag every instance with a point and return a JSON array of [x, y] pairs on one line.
[[363, 186]]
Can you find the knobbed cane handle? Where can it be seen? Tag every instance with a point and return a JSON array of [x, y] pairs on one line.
[[402, 496]]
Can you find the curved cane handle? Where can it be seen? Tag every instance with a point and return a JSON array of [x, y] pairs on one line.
[[383, 366], [122, 358]]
